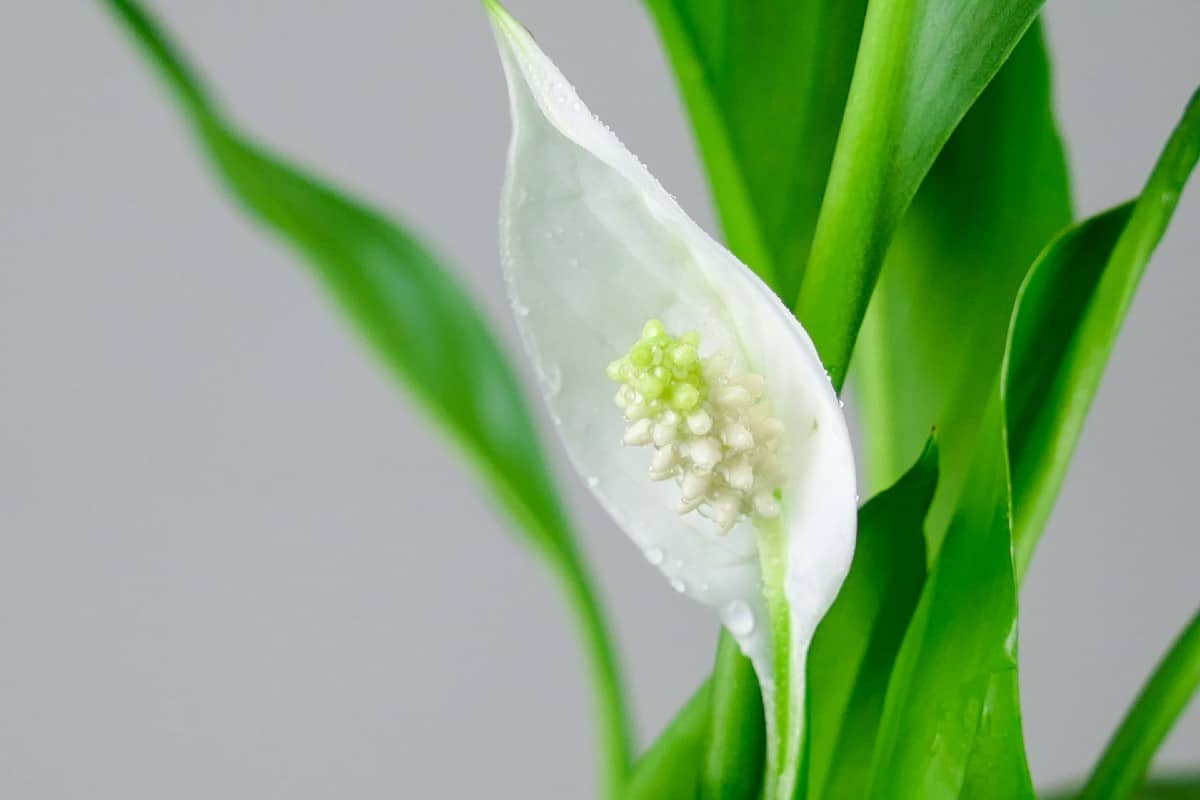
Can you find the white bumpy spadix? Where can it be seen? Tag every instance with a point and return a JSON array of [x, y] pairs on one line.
[[725, 456]]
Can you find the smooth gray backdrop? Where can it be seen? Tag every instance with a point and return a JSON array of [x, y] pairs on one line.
[[234, 562]]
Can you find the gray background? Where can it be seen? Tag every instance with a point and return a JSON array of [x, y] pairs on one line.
[[234, 562]]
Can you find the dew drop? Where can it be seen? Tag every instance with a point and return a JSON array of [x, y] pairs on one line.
[[552, 379], [738, 617], [654, 555], [520, 310], [678, 585], [593, 481]]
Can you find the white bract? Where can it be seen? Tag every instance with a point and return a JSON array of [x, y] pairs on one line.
[[725, 456]]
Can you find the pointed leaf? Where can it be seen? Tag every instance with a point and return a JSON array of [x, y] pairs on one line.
[[425, 330], [857, 642], [921, 65], [951, 724], [1069, 313], [933, 339], [951, 718]]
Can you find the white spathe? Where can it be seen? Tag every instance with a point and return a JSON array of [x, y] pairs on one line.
[[593, 247]]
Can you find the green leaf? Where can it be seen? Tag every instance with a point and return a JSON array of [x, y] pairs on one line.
[[667, 771], [735, 739], [764, 84], [425, 330], [857, 641], [934, 335], [921, 65], [951, 723], [1069, 313], [1127, 757], [1175, 787], [951, 717]]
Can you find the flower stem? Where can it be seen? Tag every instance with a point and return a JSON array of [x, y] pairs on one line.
[[612, 718]]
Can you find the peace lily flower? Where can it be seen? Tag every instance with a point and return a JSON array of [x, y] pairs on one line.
[[686, 394]]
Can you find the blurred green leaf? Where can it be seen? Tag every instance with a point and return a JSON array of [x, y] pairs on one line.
[[951, 716], [933, 339], [856, 644], [1166, 694], [426, 330], [1069, 313], [764, 84], [921, 65], [1177, 787]]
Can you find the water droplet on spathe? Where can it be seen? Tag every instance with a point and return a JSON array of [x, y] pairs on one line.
[[654, 555], [552, 378], [678, 585], [593, 481], [520, 310], [738, 617]]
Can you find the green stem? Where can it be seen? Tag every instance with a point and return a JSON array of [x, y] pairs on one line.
[[1123, 766], [612, 717], [856, 217]]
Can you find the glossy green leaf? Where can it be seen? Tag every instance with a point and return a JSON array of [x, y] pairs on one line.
[[1166, 694], [951, 718], [735, 739], [764, 84], [951, 724], [1069, 313], [857, 642], [921, 65], [934, 335], [425, 330]]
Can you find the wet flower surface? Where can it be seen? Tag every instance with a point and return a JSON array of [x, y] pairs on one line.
[[726, 459]]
